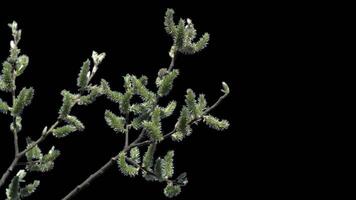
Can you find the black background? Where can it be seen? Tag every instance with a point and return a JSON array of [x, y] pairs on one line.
[[251, 46]]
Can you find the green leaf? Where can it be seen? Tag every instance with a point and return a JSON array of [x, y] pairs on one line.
[[191, 102], [63, 131], [202, 43], [158, 169], [124, 104], [13, 190], [169, 24], [141, 90], [34, 153], [135, 155], [67, 105], [21, 64], [167, 165], [22, 100], [149, 155], [29, 189], [125, 168], [180, 36], [169, 109], [153, 127], [172, 190], [165, 84], [74, 121], [201, 104], [4, 107], [46, 163], [104, 85], [115, 122], [94, 93], [215, 123], [83, 78], [182, 126], [137, 122], [153, 130], [6, 78], [177, 136], [190, 32], [113, 96], [51, 155]]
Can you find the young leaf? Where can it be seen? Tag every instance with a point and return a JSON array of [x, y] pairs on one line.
[[141, 90], [180, 36], [83, 78], [177, 136], [67, 105], [201, 104], [215, 123], [165, 84], [167, 165], [169, 23], [158, 169], [169, 109], [149, 155], [4, 107], [191, 102], [29, 189], [94, 93], [6, 78], [182, 125], [153, 127], [135, 155], [125, 168], [202, 43], [74, 121], [172, 190], [22, 100], [125, 102], [63, 131], [115, 122], [13, 191], [46, 163], [21, 64], [34, 153], [153, 130]]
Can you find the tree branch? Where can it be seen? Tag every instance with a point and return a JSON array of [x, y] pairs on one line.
[[91, 178], [135, 143], [19, 155], [127, 147]]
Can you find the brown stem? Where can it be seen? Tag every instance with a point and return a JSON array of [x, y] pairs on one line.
[[91, 178], [9, 170], [19, 155]]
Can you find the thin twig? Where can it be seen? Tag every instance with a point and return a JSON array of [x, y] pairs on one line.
[[91, 178], [171, 65], [19, 155], [13, 94]]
